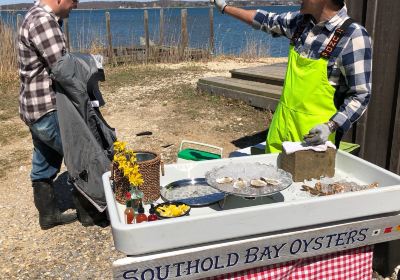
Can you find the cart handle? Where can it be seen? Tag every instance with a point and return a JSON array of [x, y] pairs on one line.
[[201, 144]]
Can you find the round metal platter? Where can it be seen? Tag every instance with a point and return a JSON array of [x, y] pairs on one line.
[[248, 172], [193, 192]]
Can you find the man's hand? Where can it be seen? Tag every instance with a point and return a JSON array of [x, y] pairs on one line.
[[318, 135], [220, 4]]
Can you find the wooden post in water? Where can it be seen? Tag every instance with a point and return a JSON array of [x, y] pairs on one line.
[[211, 14], [146, 33], [109, 37], [19, 21], [161, 40], [66, 32], [184, 33]]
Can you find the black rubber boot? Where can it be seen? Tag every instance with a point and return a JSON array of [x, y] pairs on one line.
[[45, 202], [87, 213]]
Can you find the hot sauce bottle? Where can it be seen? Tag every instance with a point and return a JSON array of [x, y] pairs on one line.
[[152, 216], [129, 212], [141, 217]]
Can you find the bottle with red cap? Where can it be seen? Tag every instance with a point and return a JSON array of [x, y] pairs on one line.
[[129, 212], [141, 216]]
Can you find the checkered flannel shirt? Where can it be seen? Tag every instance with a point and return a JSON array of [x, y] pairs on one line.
[[350, 66], [41, 43]]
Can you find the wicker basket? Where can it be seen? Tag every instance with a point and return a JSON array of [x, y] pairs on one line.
[[121, 183], [149, 166]]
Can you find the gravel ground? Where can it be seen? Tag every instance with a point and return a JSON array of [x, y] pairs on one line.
[[75, 252]]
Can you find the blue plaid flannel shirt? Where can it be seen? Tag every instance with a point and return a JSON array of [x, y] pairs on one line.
[[350, 66]]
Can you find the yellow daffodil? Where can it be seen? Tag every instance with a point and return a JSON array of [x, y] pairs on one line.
[[119, 158], [128, 170], [136, 168], [127, 163], [135, 179], [119, 146], [133, 158]]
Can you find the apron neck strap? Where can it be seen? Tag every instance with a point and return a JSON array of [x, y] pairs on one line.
[[339, 32], [299, 30]]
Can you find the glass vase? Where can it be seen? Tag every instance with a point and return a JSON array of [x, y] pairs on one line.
[[136, 196]]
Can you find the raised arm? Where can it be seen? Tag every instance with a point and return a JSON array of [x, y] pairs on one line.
[[283, 24], [246, 16]]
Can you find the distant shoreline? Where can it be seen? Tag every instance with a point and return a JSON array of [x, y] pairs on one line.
[[150, 8], [150, 4]]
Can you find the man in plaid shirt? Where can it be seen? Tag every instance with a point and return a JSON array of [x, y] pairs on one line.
[[41, 44], [340, 60]]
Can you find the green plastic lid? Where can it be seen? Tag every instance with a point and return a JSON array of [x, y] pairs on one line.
[[349, 147], [197, 155]]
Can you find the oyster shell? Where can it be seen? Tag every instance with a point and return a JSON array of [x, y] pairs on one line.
[[224, 180], [258, 183], [240, 183], [270, 181], [336, 188]]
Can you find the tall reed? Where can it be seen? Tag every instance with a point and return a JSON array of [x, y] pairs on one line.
[[8, 54], [254, 48], [89, 36], [131, 48]]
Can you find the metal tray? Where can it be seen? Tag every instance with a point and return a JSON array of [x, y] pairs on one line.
[[248, 172], [193, 192]]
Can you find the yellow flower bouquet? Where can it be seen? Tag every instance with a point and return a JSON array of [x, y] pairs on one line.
[[136, 172], [125, 172]]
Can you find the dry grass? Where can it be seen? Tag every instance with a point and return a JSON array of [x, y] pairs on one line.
[[9, 129], [8, 54], [254, 49], [95, 47], [8, 74], [12, 160], [167, 50], [95, 41]]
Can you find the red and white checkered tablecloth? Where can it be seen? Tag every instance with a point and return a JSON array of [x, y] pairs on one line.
[[353, 264]]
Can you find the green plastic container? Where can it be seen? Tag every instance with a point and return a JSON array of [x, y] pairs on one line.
[[197, 155], [351, 148]]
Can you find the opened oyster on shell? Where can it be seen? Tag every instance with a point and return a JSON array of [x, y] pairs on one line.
[[249, 179]]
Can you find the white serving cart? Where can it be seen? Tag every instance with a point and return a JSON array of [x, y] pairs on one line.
[[244, 233]]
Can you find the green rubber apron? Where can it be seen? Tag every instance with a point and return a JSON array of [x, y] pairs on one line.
[[306, 100]]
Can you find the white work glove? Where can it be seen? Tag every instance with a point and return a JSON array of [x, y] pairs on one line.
[[318, 135], [220, 4]]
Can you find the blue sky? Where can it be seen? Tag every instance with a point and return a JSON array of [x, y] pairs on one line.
[[5, 2]]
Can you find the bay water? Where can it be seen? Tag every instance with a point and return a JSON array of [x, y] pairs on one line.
[[88, 28]]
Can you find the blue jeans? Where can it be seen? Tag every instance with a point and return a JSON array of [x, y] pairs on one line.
[[47, 153]]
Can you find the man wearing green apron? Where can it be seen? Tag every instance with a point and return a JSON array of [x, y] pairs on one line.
[[328, 80]]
